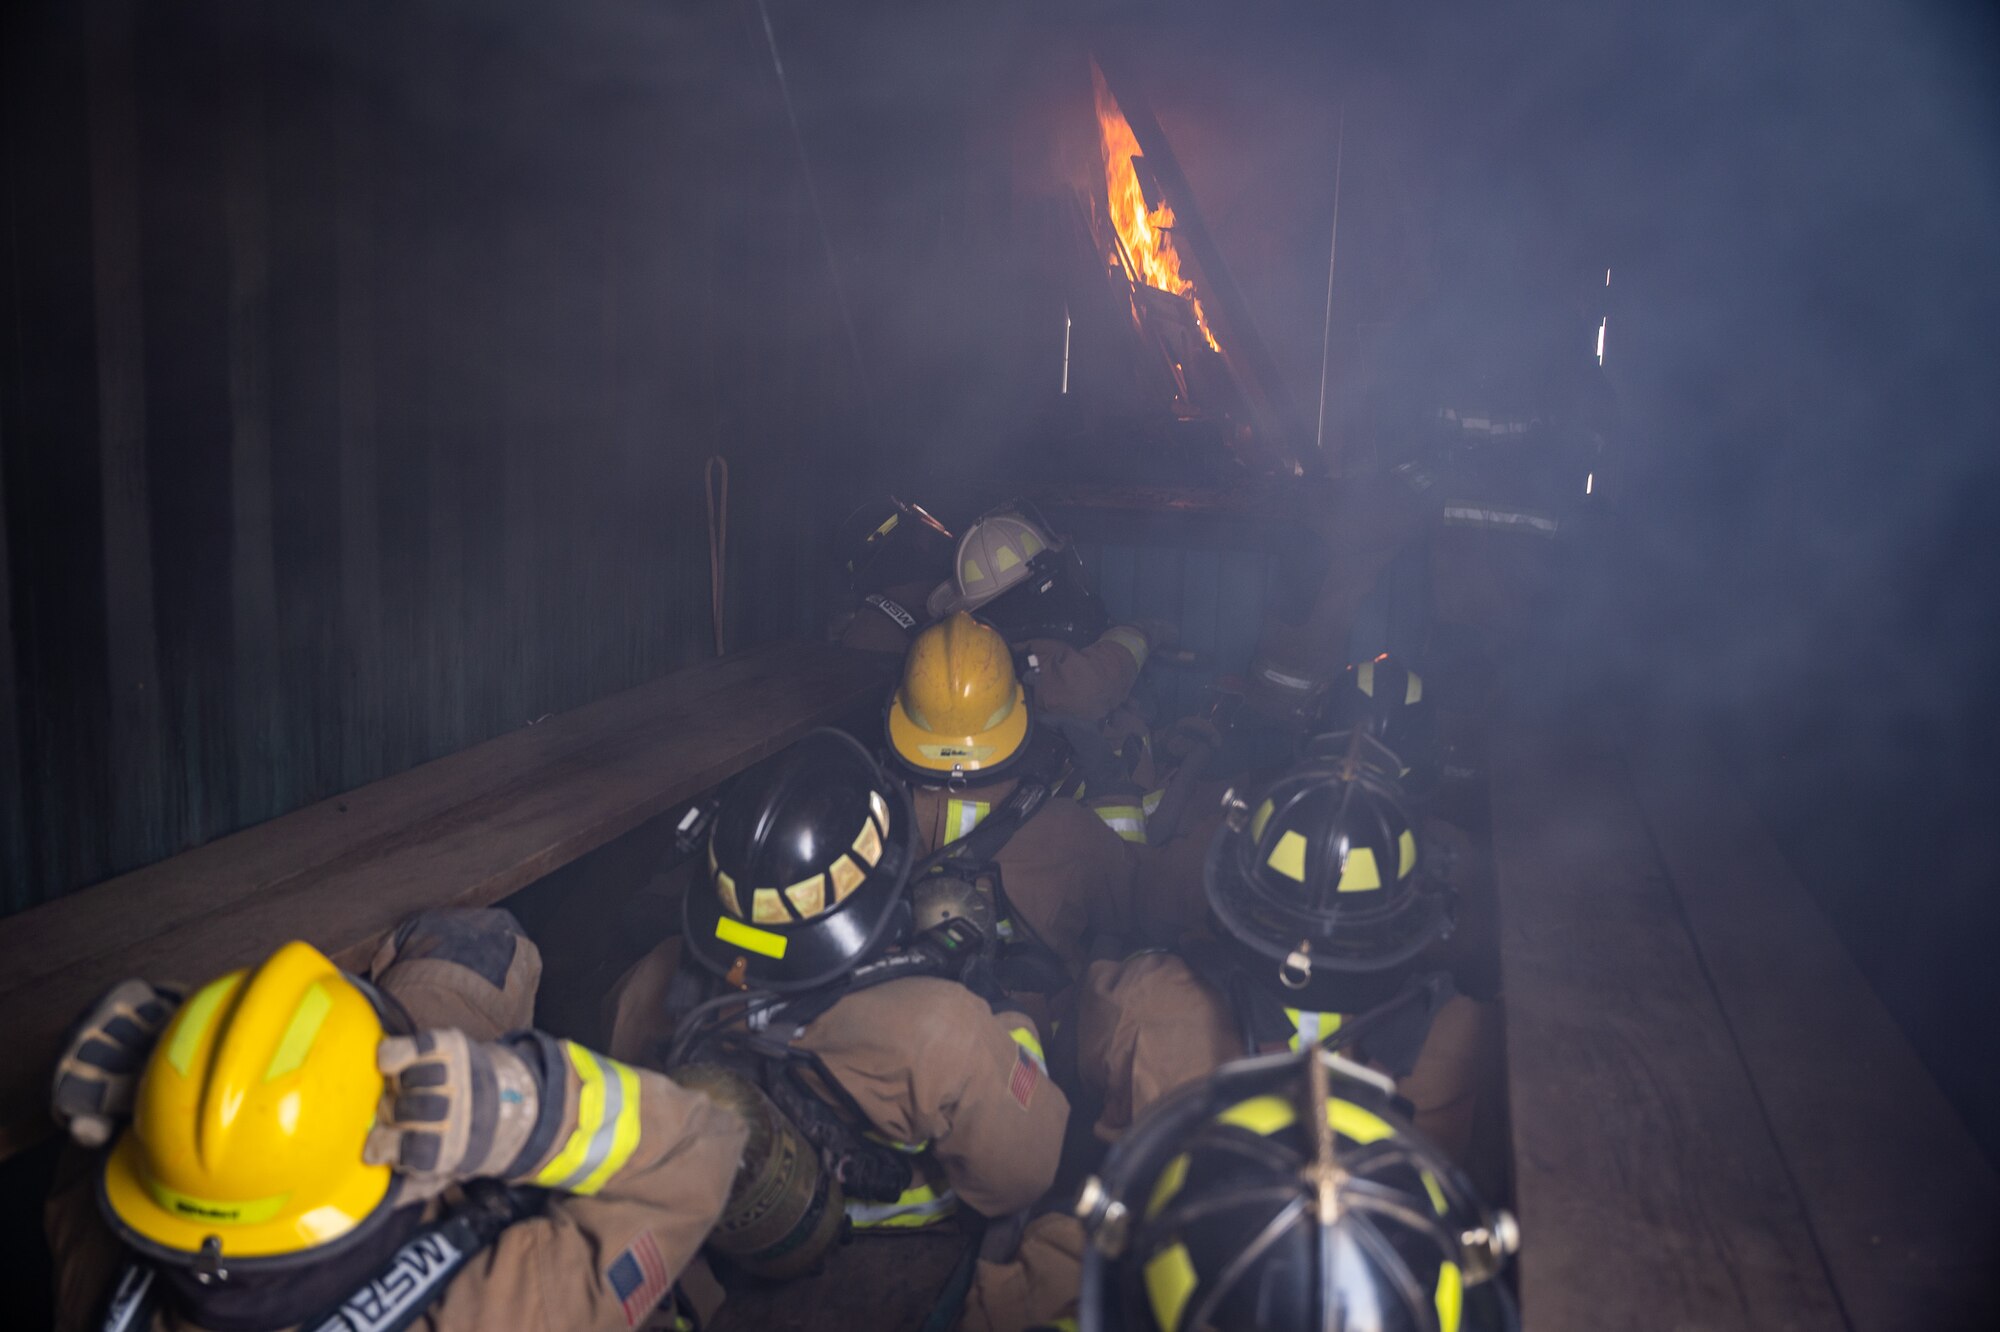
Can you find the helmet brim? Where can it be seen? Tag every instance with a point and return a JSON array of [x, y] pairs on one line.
[[173, 1227], [789, 958], [934, 754], [943, 600]]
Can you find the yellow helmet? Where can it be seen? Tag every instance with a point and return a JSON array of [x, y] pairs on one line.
[[251, 1117], [959, 708]]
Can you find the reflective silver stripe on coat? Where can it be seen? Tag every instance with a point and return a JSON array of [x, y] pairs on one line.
[[1467, 516], [1283, 681], [607, 1128], [876, 1214]]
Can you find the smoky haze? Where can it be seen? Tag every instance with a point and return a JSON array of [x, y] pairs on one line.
[[1796, 203], [585, 259]]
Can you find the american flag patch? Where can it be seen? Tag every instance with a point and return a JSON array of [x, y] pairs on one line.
[[639, 1277], [1027, 1076]]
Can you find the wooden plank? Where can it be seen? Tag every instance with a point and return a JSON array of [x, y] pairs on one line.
[[1650, 1190], [132, 650], [1281, 434], [1905, 1206], [464, 830]]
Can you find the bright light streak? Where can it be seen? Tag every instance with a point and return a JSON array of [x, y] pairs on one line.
[[1067, 349], [1600, 338], [1588, 482], [1607, 277]]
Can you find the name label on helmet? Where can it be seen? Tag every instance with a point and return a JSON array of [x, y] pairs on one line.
[[217, 1211], [733, 931], [892, 610], [978, 753]]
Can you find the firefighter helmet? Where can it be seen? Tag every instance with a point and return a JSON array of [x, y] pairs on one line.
[[1386, 699], [246, 1141], [1054, 601], [1316, 880], [807, 861], [960, 709], [888, 541], [1236, 1203], [996, 554]]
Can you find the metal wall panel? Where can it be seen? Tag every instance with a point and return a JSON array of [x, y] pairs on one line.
[[359, 371]]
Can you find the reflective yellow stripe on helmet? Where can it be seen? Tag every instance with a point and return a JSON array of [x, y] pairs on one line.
[[1265, 1115], [1450, 1297], [194, 1020], [607, 1125], [1169, 1284]]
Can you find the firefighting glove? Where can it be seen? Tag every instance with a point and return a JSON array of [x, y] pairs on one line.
[[97, 1077], [454, 1109]]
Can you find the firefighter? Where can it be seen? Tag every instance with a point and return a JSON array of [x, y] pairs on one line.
[[815, 1000], [1013, 572], [1339, 536], [290, 1142], [895, 553], [1323, 931], [959, 728], [1240, 1203], [1385, 698], [1394, 706], [1516, 450], [1078, 669]]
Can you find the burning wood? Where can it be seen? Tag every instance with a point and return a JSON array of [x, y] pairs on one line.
[[1142, 219]]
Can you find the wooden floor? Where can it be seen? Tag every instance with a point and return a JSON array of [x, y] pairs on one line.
[[1716, 1124]]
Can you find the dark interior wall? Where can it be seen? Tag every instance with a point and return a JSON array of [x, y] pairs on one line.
[[360, 367]]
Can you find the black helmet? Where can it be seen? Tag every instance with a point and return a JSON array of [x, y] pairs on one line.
[[1386, 699], [1316, 881], [1233, 1204], [808, 858], [886, 542], [1054, 601]]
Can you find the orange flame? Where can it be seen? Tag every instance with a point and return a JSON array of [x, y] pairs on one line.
[[1147, 233]]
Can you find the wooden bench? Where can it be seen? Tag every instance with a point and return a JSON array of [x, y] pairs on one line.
[[464, 830], [1716, 1124]]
